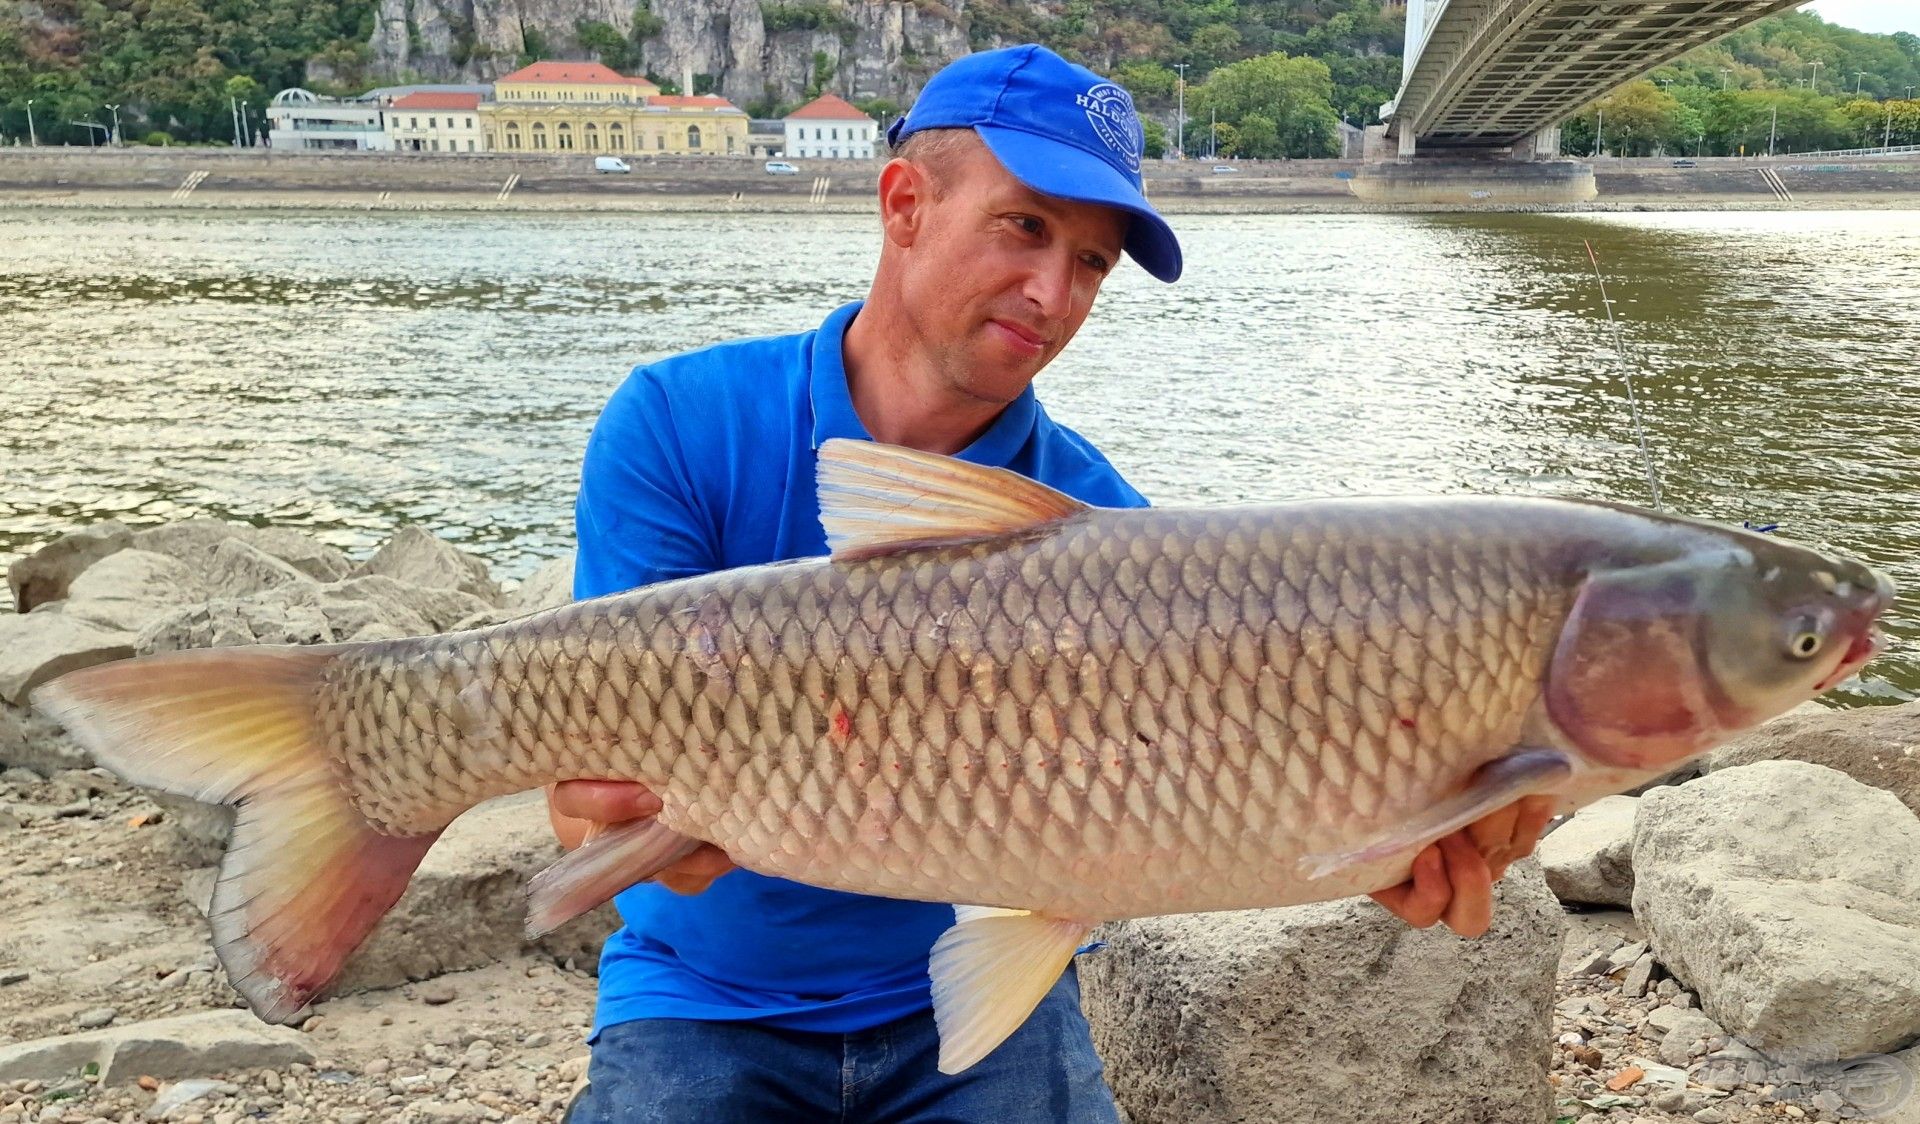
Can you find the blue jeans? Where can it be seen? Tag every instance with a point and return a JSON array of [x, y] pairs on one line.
[[680, 1071]]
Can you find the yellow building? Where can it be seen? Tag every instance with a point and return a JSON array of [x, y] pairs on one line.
[[586, 107]]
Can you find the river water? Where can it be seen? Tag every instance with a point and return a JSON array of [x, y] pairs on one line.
[[345, 372]]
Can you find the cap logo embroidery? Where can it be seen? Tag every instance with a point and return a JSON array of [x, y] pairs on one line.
[[1110, 112]]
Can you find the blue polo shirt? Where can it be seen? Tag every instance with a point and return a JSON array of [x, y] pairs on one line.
[[702, 462]]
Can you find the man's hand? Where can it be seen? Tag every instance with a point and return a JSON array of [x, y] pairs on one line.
[[1453, 879], [580, 807]]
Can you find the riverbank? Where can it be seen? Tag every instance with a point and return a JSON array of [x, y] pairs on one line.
[[216, 180]]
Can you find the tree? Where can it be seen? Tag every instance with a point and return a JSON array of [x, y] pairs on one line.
[[1278, 105], [605, 42]]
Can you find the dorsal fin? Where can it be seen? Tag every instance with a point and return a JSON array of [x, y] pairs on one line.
[[876, 499]]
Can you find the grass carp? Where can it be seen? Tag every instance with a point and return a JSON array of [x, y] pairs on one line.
[[995, 696]]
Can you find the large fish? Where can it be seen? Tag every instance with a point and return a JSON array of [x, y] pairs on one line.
[[995, 696]]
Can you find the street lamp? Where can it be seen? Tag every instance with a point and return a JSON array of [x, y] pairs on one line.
[[33, 138], [115, 110], [90, 125], [1816, 75], [1859, 80], [1724, 72], [1180, 113]]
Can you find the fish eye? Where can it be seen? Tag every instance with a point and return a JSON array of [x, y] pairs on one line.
[[1805, 644]]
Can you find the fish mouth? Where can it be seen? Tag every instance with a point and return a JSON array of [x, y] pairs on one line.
[[1867, 643]]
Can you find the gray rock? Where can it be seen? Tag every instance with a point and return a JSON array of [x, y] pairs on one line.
[[466, 905], [1626, 955], [1875, 745], [1224, 1016], [290, 614], [130, 589], [195, 541], [414, 556], [179, 1095], [1634, 985], [38, 647], [44, 575], [240, 569], [311, 557], [1787, 895], [172, 1049], [31, 740], [96, 1018], [549, 585], [196, 833], [414, 610], [1589, 859]]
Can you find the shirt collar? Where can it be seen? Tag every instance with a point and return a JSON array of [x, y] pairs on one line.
[[834, 416]]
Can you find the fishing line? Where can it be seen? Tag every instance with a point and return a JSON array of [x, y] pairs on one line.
[[1626, 374]]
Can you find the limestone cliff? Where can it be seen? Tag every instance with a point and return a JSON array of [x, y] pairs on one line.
[[751, 51]]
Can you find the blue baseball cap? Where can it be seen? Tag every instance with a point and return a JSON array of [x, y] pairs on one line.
[[1057, 127]]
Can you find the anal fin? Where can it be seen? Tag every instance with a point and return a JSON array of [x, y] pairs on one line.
[[990, 970], [1498, 783], [607, 863]]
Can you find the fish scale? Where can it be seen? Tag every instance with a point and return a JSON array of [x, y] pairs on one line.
[[1155, 695]]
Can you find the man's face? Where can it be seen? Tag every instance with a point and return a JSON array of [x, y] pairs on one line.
[[1000, 277]]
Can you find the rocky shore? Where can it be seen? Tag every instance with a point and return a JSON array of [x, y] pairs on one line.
[[1740, 944]]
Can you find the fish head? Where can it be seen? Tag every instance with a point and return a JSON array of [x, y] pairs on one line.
[[1661, 661]]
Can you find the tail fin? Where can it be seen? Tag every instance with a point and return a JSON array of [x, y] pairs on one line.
[[306, 877]]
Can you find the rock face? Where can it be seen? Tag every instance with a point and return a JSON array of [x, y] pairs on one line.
[[1875, 745], [1336, 1011], [868, 48], [1589, 859], [1788, 896], [167, 1049], [130, 589], [545, 588], [37, 647], [414, 556]]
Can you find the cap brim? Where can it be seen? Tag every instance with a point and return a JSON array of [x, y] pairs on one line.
[[1065, 172]]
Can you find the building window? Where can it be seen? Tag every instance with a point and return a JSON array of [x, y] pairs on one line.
[[469, 146], [730, 139], [566, 135], [616, 138], [433, 122], [693, 136], [836, 133], [539, 136], [434, 145], [593, 137]]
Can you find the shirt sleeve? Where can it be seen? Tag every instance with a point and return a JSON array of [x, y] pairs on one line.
[[638, 518]]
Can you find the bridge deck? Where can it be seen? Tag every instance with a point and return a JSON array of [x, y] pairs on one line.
[[1492, 71]]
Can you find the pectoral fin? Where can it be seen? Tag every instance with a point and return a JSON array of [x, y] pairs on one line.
[[1495, 785], [607, 863], [990, 971]]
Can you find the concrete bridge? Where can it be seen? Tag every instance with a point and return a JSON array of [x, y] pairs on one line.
[[1499, 76]]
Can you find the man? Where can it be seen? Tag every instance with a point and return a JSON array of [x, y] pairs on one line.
[[1015, 192]]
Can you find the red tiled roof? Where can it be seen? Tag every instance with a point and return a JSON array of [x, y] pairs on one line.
[[438, 101], [829, 107], [575, 73], [684, 101]]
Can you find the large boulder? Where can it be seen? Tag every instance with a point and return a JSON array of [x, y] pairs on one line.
[[467, 904], [413, 555], [31, 740], [185, 1046], [290, 614], [1787, 895], [240, 569], [1875, 745], [37, 647], [548, 586], [1335, 1011], [195, 541], [1588, 860], [45, 574], [130, 589], [407, 608]]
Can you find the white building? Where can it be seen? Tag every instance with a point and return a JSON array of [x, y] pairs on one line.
[[302, 121], [435, 122], [829, 128]]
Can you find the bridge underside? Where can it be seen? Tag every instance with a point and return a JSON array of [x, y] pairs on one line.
[[1493, 73]]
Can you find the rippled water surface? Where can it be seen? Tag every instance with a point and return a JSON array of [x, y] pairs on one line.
[[347, 372]]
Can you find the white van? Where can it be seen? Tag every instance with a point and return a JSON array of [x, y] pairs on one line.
[[781, 168], [610, 164]]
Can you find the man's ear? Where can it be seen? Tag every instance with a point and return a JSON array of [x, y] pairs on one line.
[[905, 192]]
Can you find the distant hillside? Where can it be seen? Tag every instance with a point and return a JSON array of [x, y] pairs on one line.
[[171, 65]]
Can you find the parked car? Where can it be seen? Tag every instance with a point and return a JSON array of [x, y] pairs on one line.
[[781, 168], [610, 164], [1684, 164], [1224, 169]]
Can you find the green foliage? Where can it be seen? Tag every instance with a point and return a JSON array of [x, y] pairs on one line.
[[157, 139], [646, 25], [1277, 106], [605, 42], [806, 15], [1155, 144], [1645, 118], [533, 46], [823, 70]]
